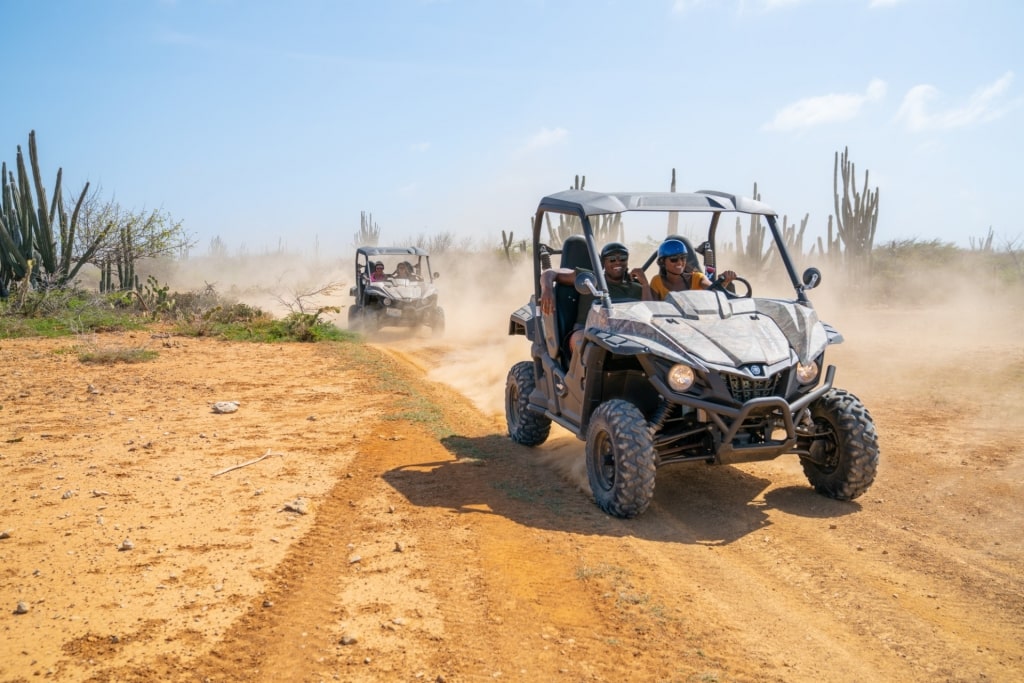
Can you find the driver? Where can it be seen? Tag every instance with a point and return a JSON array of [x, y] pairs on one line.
[[404, 271], [675, 274], [623, 285]]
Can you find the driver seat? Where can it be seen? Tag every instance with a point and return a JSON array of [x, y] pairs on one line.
[[567, 300]]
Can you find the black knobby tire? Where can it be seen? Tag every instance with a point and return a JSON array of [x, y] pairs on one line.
[[524, 425], [847, 451], [353, 317], [621, 462], [437, 324]]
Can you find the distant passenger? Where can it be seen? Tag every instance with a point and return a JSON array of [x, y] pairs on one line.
[[378, 272]]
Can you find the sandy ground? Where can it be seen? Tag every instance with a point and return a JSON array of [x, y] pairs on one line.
[[394, 533]]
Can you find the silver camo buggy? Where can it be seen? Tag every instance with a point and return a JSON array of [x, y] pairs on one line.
[[400, 294], [705, 376]]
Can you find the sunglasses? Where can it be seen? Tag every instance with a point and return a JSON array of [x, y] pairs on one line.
[[617, 259], [675, 259]]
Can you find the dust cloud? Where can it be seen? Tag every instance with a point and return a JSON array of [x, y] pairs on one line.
[[933, 328]]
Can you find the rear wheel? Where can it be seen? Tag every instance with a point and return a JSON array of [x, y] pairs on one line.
[[621, 462], [524, 425], [843, 455]]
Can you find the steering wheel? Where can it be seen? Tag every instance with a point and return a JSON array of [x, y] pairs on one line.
[[731, 292]]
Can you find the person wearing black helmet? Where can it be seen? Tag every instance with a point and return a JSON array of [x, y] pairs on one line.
[[676, 274], [623, 285]]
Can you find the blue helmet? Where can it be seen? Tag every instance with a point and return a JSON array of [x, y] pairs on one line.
[[671, 248]]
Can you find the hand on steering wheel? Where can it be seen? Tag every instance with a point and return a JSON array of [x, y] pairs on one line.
[[718, 284]]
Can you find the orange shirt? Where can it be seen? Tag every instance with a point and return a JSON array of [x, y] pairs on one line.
[[661, 290]]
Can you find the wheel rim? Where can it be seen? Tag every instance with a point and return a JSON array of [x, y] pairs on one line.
[[513, 404], [604, 461], [827, 446]]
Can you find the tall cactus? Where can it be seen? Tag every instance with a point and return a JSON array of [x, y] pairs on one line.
[[369, 232], [856, 215], [673, 216]]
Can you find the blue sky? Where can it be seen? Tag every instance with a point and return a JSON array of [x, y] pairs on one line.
[[273, 122]]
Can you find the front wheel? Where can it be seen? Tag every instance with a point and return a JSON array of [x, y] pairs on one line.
[[524, 425], [621, 461], [843, 450], [437, 324]]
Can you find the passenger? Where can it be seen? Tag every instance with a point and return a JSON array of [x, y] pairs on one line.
[[676, 274], [378, 272], [623, 285]]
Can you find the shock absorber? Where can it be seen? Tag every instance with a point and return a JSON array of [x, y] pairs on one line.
[[545, 257], [660, 416]]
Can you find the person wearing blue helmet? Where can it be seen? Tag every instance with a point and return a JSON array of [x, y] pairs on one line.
[[676, 274], [623, 285]]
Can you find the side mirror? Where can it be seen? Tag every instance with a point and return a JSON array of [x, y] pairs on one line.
[[586, 283], [812, 278]]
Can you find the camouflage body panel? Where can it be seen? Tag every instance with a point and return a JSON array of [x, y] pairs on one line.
[[716, 329]]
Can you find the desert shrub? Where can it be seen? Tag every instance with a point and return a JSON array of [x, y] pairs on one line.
[[296, 326], [61, 312]]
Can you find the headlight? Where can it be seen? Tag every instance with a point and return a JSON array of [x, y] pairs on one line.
[[386, 301], [806, 373], [680, 377]]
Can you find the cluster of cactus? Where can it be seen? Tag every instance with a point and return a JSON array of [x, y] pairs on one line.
[[832, 248], [982, 245], [120, 262], [792, 236], [607, 228], [35, 229], [369, 232], [751, 253], [509, 246]]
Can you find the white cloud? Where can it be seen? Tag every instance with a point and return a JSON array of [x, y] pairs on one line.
[[988, 103], [832, 108], [547, 137]]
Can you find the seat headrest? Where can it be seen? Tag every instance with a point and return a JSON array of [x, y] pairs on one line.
[[575, 254]]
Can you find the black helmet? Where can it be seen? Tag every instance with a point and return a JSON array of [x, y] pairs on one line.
[[614, 248]]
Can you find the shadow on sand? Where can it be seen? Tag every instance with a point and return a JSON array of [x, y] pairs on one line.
[[546, 487]]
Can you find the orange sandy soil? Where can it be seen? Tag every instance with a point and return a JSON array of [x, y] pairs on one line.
[[394, 533]]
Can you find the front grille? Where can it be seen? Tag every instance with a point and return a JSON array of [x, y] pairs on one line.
[[743, 388]]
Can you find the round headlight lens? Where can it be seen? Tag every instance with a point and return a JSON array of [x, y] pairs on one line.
[[386, 302], [806, 373], [680, 377]]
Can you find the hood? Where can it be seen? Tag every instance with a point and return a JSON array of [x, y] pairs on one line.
[[407, 290], [718, 330]]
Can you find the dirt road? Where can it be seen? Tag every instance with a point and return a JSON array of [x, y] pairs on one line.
[[394, 533]]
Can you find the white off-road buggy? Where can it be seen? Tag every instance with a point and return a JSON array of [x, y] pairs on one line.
[[707, 375], [394, 288]]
